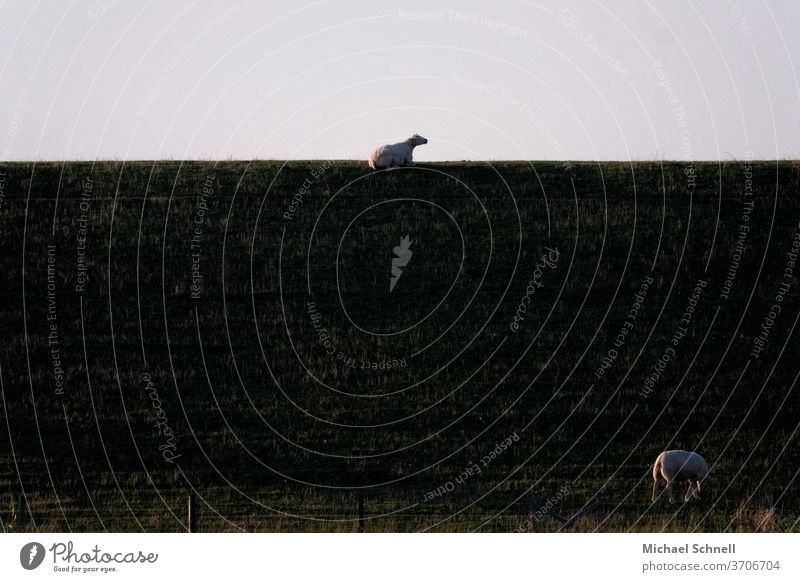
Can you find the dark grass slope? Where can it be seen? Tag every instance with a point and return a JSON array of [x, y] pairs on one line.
[[172, 301]]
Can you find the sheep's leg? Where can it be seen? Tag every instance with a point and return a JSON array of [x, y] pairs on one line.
[[399, 161], [669, 491], [697, 491], [689, 491]]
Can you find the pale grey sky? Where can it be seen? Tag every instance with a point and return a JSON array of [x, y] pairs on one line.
[[331, 79]]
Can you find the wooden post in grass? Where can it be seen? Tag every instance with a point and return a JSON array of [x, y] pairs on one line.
[[21, 515], [360, 513], [538, 507], [192, 517]]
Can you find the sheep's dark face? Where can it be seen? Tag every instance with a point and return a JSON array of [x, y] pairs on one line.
[[417, 139]]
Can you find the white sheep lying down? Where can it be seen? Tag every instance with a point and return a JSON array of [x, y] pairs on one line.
[[396, 154], [671, 466]]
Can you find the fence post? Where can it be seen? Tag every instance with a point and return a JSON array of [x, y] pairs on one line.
[[192, 517], [360, 513], [532, 522], [21, 515]]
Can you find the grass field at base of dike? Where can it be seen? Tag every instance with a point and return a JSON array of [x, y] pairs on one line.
[[440, 343]]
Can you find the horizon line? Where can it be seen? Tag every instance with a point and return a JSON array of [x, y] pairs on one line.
[[421, 163]]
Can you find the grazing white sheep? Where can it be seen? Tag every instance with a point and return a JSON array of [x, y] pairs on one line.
[[671, 466], [396, 154]]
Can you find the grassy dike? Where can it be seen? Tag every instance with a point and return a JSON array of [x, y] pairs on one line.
[[227, 329]]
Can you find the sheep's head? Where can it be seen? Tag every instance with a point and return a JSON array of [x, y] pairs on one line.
[[702, 485], [417, 139]]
